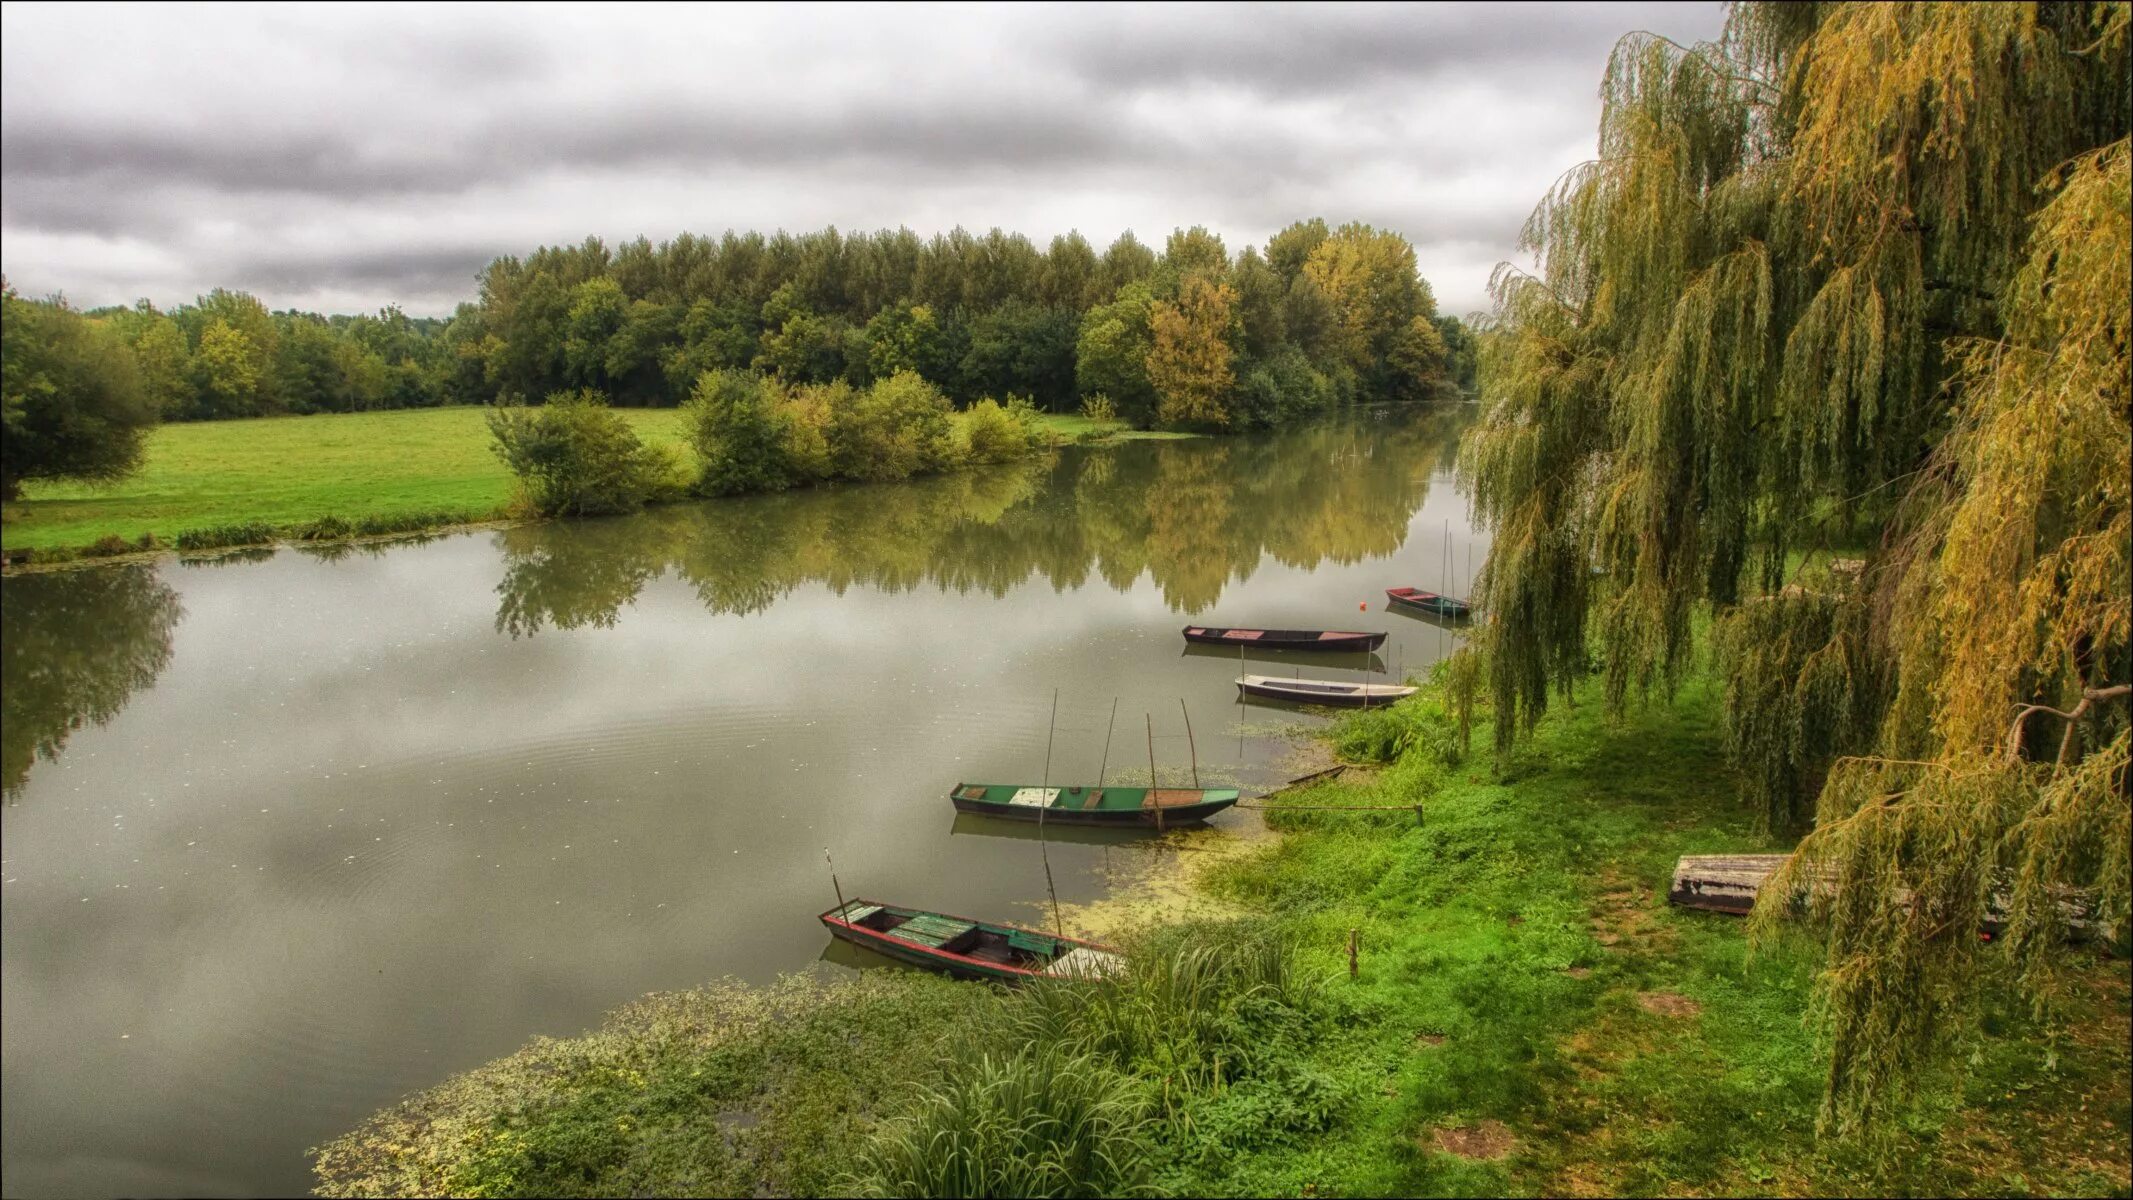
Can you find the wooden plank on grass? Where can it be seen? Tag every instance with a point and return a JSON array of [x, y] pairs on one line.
[[1729, 883]]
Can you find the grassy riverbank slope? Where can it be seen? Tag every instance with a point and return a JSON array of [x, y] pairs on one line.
[[382, 467], [1530, 1017]]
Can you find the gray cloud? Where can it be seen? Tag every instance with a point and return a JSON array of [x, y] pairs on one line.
[[351, 157]]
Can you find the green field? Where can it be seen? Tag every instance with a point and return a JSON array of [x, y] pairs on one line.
[[289, 470]]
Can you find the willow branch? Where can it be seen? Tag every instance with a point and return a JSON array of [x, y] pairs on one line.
[[2090, 697]]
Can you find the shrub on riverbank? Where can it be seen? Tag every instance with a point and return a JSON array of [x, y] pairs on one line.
[[996, 433], [575, 457], [752, 433]]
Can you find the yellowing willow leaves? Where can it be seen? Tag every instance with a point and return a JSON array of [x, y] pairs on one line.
[[1853, 275]]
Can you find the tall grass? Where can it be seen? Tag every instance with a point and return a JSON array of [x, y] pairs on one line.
[[1106, 1075], [1039, 1121]]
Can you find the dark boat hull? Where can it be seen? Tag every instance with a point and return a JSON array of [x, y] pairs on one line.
[[1137, 818], [1284, 639]]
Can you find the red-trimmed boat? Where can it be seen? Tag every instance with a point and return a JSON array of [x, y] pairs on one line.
[[1285, 639], [1449, 607], [1156, 808], [965, 948]]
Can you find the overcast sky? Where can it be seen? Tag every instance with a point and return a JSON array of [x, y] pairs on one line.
[[340, 159]]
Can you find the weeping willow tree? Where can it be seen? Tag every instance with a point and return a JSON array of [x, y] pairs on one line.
[[1853, 274]]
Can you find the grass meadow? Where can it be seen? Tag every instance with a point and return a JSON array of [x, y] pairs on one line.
[[413, 467]]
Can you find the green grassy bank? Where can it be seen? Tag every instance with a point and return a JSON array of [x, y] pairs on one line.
[[1529, 1017], [379, 472]]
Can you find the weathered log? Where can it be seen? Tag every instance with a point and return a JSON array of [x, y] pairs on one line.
[[1729, 883]]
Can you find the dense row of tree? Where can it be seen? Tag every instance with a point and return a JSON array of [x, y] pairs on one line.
[[1854, 274], [1191, 336]]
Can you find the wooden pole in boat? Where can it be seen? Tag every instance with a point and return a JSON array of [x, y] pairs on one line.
[[1044, 798], [1152, 797], [833, 881], [1049, 732], [1105, 765], [1189, 742]]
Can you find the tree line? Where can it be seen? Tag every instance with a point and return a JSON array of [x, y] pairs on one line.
[[1192, 336]]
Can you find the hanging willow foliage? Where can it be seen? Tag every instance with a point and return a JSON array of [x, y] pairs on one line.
[[1853, 269]]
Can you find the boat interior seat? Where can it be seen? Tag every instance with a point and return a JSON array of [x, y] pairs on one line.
[[1032, 943]]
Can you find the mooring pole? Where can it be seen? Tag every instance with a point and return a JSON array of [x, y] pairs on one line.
[[1189, 743], [833, 882], [1105, 765], [1044, 796], [1152, 797]]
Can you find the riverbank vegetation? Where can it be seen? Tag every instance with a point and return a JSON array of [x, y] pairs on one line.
[[1528, 1016], [360, 474], [1854, 274]]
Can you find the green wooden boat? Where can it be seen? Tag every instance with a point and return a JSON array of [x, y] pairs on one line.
[[965, 948], [1157, 808]]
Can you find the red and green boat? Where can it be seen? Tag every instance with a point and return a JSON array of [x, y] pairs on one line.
[[966, 948], [1158, 808]]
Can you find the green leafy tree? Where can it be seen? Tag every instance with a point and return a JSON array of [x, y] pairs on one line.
[[165, 363], [906, 337], [738, 427], [71, 401], [577, 457], [897, 428], [227, 373], [1023, 349], [1195, 250], [1413, 365], [1111, 353]]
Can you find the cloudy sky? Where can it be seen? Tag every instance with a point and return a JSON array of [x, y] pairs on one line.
[[342, 158]]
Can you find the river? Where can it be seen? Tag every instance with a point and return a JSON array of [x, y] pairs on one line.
[[290, 835]]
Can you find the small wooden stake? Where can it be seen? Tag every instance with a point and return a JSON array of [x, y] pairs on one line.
[[1354, 943]]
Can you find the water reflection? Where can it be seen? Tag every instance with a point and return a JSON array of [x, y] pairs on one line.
[[73, 649], [1196, 516]]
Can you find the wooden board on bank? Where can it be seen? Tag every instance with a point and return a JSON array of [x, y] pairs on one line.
[[1729, 883]]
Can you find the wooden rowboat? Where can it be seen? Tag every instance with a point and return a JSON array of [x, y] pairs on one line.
[[1159, 808], [1323, 691], [1430, 602], [1285, 639], [965, 948]]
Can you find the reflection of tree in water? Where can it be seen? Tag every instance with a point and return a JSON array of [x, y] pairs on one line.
[[74, 648], [1192, 515]]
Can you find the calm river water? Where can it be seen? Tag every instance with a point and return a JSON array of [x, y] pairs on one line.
[[289, 837]]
